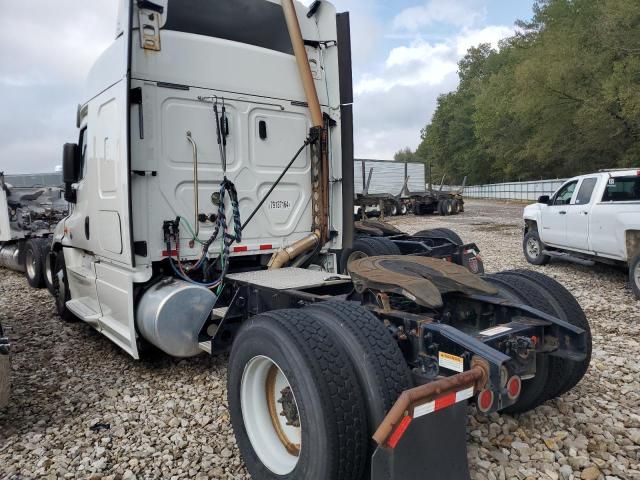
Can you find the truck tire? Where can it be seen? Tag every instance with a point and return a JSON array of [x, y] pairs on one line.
[[5, 375], [317, 428], [367, 247], [61, 290], [381, 369], [393, 209], [5, 380], [532, 247], [448, 207], [442, 208], [33, 263], [403, 209], [634, 276], [564, 374], [534, 390], [47, 267], [455, 208], [461, 205], [440, 233]]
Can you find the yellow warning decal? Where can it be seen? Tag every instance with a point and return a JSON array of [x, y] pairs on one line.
[[451, 362]]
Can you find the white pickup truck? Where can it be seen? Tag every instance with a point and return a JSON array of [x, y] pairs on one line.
[[590, 218]]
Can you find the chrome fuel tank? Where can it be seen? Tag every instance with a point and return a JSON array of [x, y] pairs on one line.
[[171, 314], [10, 257]]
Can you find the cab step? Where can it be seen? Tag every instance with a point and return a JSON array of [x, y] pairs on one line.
[[569, 258]]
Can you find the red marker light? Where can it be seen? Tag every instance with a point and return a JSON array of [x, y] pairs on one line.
[[485, 400], [514, 387]]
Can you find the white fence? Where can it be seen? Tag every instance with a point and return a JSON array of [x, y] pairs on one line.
[[514, 190]]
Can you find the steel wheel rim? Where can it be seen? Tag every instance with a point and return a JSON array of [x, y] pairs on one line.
[[60, 290], [270, 413], [533, 248], [30, 263], [48, 272], [394, 211]]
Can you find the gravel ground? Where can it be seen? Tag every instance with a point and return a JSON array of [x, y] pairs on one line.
[[83, 409]]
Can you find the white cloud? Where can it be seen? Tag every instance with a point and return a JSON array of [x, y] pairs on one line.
[[491, 34], [398, 97], [459, 13]]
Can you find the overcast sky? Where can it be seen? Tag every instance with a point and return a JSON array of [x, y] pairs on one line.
[[405, 54]]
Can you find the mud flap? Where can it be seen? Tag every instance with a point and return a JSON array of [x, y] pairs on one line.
[[433, 447]]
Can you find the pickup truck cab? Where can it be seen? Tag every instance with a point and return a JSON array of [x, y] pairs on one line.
[[593, 217]]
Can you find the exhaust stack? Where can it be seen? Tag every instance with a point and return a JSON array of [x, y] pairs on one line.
[[319, 152]]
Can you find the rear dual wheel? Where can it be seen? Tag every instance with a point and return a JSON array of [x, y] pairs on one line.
[[554, 376], [364, 247], [308, 387], [34, 262], [447, 207], [440, 233]]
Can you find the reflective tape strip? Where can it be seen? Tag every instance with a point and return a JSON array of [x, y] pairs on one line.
[[464, 394], [443, 402], [399, 432], [252, 248]]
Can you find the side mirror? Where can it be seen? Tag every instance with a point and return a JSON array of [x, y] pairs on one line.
[[70, 169], [544, 199]]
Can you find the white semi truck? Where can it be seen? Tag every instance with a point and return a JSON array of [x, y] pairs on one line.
[[591, 218], [212, 197]]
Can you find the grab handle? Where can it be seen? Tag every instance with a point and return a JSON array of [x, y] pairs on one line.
[[195, 183]]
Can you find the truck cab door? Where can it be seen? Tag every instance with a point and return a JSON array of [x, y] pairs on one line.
[[578, 215], [554, 216]]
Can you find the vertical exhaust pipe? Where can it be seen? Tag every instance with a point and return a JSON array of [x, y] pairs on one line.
[[320, 159], [303, 62]]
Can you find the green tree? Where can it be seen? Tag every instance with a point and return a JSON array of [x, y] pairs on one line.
[[559, 98]]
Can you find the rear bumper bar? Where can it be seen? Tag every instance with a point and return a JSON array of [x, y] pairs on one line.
[[424, 433]]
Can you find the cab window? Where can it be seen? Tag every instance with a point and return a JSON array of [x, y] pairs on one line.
[[622, 189], [586, 191], [563, 197], [82, 142], [253, 22]]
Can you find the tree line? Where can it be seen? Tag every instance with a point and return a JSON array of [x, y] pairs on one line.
[[559, 98]]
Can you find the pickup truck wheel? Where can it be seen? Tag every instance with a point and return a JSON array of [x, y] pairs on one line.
[[367, 247], [296, 408], [564, 374], [634, 276], [33, 263], [533, 247], [61, 288], [440, 233], [534, 390]]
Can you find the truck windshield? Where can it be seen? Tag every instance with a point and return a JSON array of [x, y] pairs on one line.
[[254, 22], [622, 189]]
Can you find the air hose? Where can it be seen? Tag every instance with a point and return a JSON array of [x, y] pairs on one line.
[[227, 187]]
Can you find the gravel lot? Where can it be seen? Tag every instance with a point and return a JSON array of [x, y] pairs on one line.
[[169, 419]]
